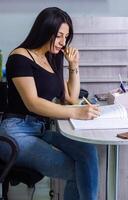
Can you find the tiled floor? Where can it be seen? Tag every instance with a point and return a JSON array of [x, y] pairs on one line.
[[21, 192]]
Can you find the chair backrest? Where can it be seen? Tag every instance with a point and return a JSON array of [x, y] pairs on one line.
[[5, 168], [3, 96]]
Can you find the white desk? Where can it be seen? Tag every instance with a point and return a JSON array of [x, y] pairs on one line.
[[107, 137]]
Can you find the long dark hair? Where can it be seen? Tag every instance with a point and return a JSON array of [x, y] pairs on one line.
[[46, 26], [45, 29]]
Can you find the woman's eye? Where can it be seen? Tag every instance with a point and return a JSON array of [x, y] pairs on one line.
[[61, 37]]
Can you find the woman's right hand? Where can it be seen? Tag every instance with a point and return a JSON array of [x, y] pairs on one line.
[[85, 112]]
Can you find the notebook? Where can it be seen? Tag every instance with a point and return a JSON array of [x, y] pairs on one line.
[[112, 116]]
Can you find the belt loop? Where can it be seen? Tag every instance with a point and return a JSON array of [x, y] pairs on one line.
[[43, 128], [1, 116], [26, 117]]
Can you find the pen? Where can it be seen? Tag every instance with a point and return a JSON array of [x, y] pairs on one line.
[[122, 84], [87, 101]]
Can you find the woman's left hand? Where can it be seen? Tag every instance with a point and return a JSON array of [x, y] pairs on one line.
[[72, 56]]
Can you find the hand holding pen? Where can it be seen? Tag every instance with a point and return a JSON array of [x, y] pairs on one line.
[[92, 111]]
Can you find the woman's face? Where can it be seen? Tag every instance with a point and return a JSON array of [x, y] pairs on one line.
[[60, 39]]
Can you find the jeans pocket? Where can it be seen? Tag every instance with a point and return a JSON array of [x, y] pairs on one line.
[[22, 127]]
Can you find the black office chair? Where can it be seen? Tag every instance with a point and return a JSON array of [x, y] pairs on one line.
[[14, 174], [6, 167], [11, 174]]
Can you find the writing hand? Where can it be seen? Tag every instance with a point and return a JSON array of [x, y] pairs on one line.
[[86, 112]]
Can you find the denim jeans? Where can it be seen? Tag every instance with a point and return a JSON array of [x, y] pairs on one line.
[[55, 156]]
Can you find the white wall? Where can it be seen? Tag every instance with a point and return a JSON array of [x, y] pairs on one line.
[[16, 17], [93, 7], [13, 29]]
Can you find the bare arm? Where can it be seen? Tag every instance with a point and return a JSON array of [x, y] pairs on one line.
[[72, 86], [27, 90]]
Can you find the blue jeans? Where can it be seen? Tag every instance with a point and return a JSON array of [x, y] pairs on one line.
[[55, 156]]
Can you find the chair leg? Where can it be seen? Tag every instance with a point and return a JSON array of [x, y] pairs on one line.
[[5, 188], [1, 192], [51, 194]]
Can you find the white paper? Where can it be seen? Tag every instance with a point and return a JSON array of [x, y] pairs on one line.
[[112, 116]]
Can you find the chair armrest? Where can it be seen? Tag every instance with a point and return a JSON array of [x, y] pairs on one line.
[[14, 152]]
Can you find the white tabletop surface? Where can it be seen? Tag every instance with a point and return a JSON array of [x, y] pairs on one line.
[[92, 136]]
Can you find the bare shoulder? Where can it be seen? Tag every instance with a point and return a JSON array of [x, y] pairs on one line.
[[21, 51]]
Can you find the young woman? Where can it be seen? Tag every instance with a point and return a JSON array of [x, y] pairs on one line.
[[35, 80]]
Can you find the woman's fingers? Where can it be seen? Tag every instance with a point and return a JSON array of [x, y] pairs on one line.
[[93, 111], [89, 112], [70, 52], [85, 112]]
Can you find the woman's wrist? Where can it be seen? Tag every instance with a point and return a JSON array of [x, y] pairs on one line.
[[73, 70], [73, 65]]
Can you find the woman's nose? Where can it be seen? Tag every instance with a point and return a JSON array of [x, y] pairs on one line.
[[63, 41]]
